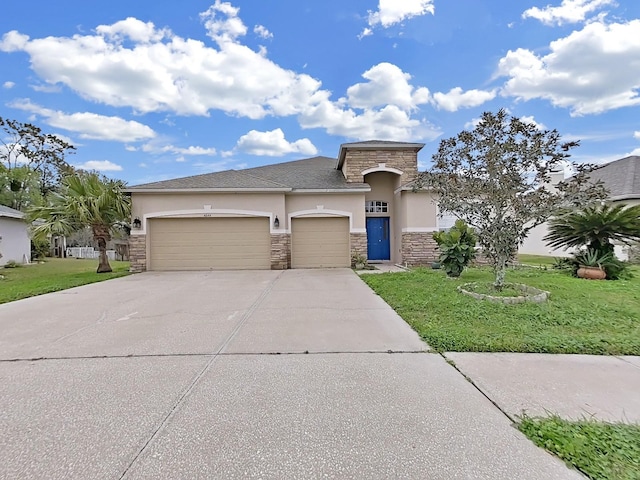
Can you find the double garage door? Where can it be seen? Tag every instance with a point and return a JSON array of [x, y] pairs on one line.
[[244, 243], [209, 243]]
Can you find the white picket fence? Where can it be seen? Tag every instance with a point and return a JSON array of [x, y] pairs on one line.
[[88, 252]]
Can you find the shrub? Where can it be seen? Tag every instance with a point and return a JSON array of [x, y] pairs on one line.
[[39, 249], [457, 248]]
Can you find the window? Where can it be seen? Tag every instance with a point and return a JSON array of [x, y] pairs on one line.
[[376, 206]]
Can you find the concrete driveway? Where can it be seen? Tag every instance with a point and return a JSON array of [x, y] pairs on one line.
[[262, 374]]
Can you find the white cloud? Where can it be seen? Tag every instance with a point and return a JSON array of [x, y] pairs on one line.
[[456, 98], [387, 123], [222, 22], [530, 119], [273, 144], [46, 88], [14, 41], [155, 70], [100, 165], [387, 84], [637, 135], [569, 11], [158, 147], [8, 85], [391, 12], [133, 29], [90, 125], [473, 123], [262, 31], [590, 71], [365, 33]]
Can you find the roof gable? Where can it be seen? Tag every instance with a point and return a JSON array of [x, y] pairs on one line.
[[621, 177], [10, 212], [317, 173]]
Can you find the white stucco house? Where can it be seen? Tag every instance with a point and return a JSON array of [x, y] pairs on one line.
[[309, 213], [621, 178], [15, 244]]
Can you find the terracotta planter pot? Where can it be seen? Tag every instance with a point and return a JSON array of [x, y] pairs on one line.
[[591, 273]]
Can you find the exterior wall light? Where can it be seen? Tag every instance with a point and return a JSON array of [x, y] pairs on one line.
[[276, 222], [137, 224]]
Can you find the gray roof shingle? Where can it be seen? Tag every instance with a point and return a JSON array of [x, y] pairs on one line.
[[10, 212], [317, 173], [621, 177]]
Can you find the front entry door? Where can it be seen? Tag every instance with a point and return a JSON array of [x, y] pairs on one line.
[[378, 244]]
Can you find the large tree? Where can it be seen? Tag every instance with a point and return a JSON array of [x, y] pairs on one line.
[[27, 155], [85, 199], [497, 178]]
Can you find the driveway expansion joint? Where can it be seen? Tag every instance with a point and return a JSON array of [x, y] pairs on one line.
[[200, 374], [470, 380], [214, 355]]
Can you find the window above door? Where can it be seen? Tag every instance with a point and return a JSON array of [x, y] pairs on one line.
[[376, 206]]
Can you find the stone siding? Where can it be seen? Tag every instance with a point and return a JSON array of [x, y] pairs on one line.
[[357, 161], [419, 248], [138, 253], [280, 251], [358, 244]]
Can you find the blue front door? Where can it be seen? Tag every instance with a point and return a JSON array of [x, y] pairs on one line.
[[378, 245]]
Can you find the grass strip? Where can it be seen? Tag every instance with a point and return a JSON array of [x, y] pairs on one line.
[[603, 451], [53, 275]]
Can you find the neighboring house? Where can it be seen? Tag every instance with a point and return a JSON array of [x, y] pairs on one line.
[[308, 213], [15, 244], [621, 178]]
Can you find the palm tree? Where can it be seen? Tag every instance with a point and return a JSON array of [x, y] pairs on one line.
[[596, 226], [84, 199]]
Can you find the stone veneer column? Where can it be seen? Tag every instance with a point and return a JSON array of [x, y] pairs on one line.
[[138, 253], [419, 248], [358, 244], [280, 251]]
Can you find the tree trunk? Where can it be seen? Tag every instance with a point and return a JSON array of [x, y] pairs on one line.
[[102, 236], [500, 274]]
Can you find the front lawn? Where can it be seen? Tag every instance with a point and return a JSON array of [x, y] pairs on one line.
[[602, 451], [53, 275], [581, 316]]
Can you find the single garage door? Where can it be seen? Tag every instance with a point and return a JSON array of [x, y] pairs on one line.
[[209, 243], [320, 242]]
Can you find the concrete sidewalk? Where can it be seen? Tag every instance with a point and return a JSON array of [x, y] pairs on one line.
[[572, 386], [207, 375]]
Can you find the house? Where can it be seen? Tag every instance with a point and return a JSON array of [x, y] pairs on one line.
[[15, 244], [622, 180], [310, 213]]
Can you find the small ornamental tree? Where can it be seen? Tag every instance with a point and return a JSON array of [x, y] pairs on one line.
[[497, 178]]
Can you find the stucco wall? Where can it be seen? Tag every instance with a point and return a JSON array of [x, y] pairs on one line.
[[15, 244], [421, 211], [310, 203], [152, 204]]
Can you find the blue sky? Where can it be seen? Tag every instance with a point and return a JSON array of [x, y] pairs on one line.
[[154, 90]]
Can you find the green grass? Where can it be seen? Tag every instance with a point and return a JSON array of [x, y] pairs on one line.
[[536, 259], [53, 275], [581, 316], [602, 451]]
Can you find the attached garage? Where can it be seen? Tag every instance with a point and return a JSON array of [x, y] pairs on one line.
[[217, 243], [320, 242]]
